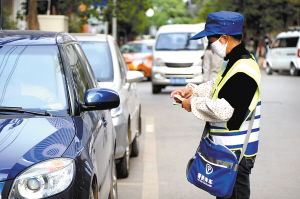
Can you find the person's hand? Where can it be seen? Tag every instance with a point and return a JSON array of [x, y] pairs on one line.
[[183, 92], [186, 104]]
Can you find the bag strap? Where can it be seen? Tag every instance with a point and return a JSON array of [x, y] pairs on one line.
[[205, 130], [247, 136]]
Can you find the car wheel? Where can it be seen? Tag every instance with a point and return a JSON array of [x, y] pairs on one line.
[[156, 89], [93, 191], [124, 165], [140, 121], [114, 187], [269, 70], [293, 70], [135, 147]]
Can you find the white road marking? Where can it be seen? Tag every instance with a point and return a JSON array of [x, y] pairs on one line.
[[150, 178]]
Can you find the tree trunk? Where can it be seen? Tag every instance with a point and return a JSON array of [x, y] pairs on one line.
[[33, 23]]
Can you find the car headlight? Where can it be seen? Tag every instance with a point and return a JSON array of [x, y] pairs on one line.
[[116, 111], [158, 62], [44, 179]]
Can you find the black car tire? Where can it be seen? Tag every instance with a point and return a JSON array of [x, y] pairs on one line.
[[135, 147], [140, 121], [93, 191], [293, 70], [269, 70], [156, 89], [123, 166]]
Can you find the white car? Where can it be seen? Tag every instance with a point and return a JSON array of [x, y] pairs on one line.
[[284, 53], [176, 59], [111, 72]]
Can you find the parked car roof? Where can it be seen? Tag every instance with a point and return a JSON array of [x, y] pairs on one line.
[[181, 28], [33, 37], [142, 41], [289, 34], [91, 37]]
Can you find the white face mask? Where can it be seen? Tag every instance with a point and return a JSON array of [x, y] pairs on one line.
[[219, 48]]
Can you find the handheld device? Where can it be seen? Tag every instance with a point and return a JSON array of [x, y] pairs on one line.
[[178, 99]]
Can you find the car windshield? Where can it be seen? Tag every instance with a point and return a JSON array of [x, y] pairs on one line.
[[99, 56], [31, 77], [136, 48], [178, 41]]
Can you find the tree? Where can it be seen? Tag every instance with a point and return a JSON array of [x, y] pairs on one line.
[[261, 16], [64, 7], [169, 11], [131, 16], [33, 23], [8, 22]]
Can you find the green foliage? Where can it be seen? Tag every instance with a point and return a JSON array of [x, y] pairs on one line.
[[261, 16], [65, 7], [74, 23], [169, 11], [130, 14], [8, 23], [210, 6]]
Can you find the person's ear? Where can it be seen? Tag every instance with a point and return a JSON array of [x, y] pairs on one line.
[[224, 39]]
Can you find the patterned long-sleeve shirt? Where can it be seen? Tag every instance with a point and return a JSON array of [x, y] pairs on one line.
[[206, 108], [233, 99]]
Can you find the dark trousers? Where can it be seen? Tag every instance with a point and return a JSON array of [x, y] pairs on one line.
[[241, 188]]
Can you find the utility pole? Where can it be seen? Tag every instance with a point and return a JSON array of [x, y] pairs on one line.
[[114, 21], [48, 7]]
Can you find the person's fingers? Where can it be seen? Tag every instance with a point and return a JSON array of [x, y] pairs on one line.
[[173, 93], [176, 92], [186, 105], [186, 95]]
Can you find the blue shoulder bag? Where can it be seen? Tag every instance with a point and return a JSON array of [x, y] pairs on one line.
[[214, 167]]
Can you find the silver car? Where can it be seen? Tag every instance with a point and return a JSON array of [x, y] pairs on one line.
[[111, 71], [285, 53]]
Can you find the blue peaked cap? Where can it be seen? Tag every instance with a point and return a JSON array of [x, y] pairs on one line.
[[222, 23]]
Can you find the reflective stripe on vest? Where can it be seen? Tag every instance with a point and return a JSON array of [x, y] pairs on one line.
[[234, 139]]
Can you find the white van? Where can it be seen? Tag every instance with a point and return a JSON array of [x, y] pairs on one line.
[[176, 59], [284, 53]]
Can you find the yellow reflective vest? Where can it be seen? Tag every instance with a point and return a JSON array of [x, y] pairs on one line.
[[234, 139]]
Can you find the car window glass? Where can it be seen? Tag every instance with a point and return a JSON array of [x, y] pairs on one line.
[[89, 72], [178, 41], [276, 43], [136, 48], [32, 78], [292, 41], [99, 56], [122, 64], [125, 48], [282, 43], [80, 80]]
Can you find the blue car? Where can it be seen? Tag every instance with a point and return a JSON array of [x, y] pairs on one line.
[[56, 134]]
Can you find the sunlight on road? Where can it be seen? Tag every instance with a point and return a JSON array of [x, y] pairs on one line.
[[150, 179]]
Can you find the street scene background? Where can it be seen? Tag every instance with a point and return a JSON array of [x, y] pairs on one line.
[[171, 136]]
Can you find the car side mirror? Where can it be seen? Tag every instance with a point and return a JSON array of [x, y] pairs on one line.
[[134, 76], [100, 99]]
